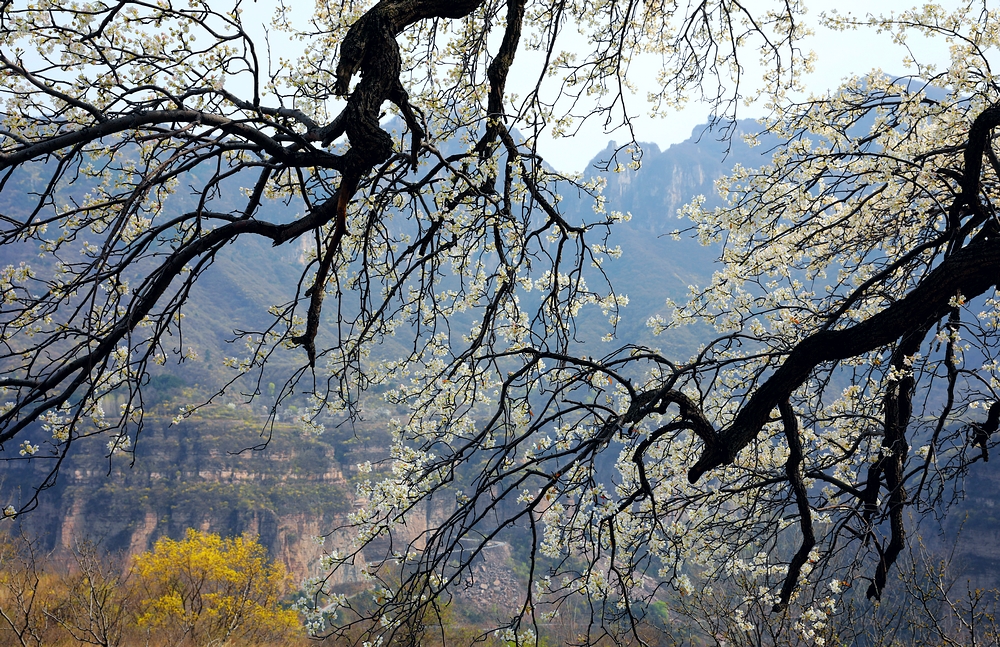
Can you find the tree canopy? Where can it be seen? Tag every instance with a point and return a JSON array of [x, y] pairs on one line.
[[853, 377], [208, 590]]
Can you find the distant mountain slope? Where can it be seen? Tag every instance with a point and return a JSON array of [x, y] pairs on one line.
[[301, 485], [653, 266], [668, 179], [184, 475]]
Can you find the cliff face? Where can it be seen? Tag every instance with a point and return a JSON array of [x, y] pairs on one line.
[[666, 180], [290, 492], [194, 475]]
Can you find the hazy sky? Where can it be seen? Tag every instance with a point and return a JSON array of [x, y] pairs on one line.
[[838, 55]]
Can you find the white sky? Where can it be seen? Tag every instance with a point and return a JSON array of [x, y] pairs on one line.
[[838, 55]]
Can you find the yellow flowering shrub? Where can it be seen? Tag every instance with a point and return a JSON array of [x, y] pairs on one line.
[[205, 589]]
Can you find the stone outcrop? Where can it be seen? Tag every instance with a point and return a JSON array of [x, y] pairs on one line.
[[194, 475]]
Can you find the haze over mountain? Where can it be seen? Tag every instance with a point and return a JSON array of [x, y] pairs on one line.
[[194, 474], [129, 506]]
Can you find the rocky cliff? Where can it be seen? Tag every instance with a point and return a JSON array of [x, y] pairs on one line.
[[200, 473]]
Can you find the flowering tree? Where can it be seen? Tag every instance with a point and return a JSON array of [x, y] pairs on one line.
[[208, 590], [854, 379], [148, 137], [139, 140]]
